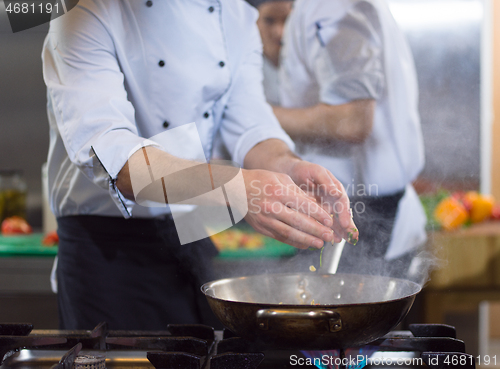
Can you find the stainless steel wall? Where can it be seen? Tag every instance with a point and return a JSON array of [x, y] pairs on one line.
[[445, 36]]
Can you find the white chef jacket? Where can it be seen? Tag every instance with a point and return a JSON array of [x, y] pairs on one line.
[[119, 72], [271, 82], [337, 51]]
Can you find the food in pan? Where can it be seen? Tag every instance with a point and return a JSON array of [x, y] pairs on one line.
[[350, 237]]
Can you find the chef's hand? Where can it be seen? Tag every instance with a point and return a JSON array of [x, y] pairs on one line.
[[329, 194], [292, 215], [278, 208]]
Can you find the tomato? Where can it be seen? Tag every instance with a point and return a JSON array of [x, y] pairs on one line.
[[50, 239], [495, 213], [15, 225]]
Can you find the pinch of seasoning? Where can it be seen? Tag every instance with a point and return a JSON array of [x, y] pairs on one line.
[[351, 238], [312, 268]]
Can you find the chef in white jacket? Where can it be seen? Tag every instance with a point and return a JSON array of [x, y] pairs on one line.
[[349, 99], [120, 74]]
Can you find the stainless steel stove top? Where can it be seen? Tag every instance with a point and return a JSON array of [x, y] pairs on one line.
[[201, 347]]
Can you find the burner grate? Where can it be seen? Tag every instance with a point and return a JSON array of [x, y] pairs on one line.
[[201, 347], [15, 329]]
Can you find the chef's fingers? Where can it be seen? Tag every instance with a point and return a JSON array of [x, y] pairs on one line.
[[331, 197], [350, 234], [339, 232], [285, 233], [304, 223], [340, 204], [326, 186], [334, 199], [302, 203]]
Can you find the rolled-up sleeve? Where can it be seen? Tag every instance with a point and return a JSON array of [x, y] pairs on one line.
[[88, 99], [348, 63], [248, 119]]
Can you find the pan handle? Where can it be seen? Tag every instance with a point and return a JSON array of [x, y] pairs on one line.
[[334, 320]]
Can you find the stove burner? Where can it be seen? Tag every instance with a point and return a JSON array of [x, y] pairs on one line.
[[90, 362], [68, 359]]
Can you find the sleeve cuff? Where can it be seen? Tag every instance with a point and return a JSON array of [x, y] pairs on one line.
[[255, 135], [124, 205], [113, 157], [110, 161], [353, 87]]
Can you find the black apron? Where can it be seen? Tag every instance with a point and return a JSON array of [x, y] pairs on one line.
[[374, 216], [131, 273]]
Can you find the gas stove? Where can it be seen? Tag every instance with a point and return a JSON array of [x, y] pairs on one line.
[[203, 347]]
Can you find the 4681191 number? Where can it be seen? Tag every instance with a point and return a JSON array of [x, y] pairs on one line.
[[32, 8], [455, 360]]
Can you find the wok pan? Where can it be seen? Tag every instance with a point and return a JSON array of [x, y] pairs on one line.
[[275, 309]]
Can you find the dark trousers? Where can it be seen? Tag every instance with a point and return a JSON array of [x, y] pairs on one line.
[[131, 273]]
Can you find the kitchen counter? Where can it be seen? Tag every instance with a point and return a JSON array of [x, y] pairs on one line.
[[467, 273], [466, 258], [25, 291]]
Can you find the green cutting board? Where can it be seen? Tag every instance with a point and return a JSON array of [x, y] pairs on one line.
[[26, 245], [31, 245], [271, 249]]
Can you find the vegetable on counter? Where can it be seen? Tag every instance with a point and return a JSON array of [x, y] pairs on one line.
[[452, 211], [451, 214], [15, 225], [232, 239], [50, 239], [480, 207]]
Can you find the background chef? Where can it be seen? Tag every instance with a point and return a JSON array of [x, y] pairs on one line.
[[349, 99], [271, 23]]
